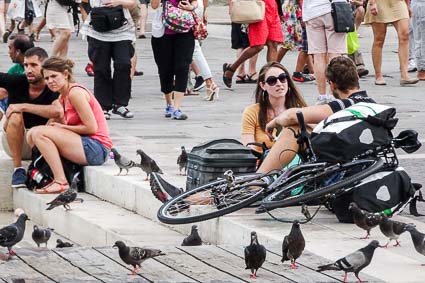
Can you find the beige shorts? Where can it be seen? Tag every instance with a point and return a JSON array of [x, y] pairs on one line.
[[26, 149], [322, 37]]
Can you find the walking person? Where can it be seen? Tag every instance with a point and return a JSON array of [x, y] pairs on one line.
[[143, 18], [267, 32], [173, 54], [379, 14], [113, 91], [59, 19], [418, 6]]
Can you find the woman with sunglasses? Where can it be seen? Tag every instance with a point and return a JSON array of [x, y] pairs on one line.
[[275, 92]]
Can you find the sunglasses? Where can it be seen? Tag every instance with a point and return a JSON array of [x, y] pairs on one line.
[[272, 80]]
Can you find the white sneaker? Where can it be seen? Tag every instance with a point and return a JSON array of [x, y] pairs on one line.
[[411, 67]]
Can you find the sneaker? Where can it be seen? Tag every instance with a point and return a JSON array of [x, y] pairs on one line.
[[362, 72], [138, 73], [89, 70], [18, 178], [179, 115], [6, 36], [107, 114], [411, 67], [324, 99], [122, 111], [161, 189], [199, 83], [169, 111], [301, 77]]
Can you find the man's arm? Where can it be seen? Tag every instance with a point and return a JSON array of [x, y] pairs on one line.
[[52, 111]]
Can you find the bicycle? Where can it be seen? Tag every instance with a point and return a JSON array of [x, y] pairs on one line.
[[279, 188]]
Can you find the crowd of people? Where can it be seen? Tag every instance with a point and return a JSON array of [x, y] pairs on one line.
[[44, 107]]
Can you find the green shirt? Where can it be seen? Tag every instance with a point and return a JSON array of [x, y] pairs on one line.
[[17, 69]]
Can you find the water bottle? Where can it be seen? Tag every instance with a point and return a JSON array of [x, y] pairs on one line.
[[39, 178]]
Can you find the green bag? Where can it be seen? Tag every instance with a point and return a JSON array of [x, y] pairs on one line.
[[352, 42]]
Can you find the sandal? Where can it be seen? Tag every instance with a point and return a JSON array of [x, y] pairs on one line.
[[250, 80], [45, 190], [123, 112], [227, 81], [241, 79], [212, 91]]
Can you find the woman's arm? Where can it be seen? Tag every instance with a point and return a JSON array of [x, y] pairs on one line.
[[125, 3], [79, 99]]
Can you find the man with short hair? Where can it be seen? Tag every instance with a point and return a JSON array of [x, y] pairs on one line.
[[30, 105], [343, 79], [18, 45]]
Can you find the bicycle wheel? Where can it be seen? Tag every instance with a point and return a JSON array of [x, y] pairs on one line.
[[214, 199], [319, 184]]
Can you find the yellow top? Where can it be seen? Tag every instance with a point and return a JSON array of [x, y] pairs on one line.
[[251, 125], [389, 11]]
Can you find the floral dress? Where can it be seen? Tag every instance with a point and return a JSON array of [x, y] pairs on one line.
[[292, 24]]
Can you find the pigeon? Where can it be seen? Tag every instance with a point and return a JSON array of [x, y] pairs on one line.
[[392, 229], [41, 236], [353, 262], [182, 161], [12, 234], [193, 239], [364, 219], [255, 255], [122, 162], [293, 245], [418, 239], [66, 197], [147, 164], [134, 255], [62, 244]]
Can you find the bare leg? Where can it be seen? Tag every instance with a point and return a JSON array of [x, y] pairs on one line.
[[379, 33], [282, 152], [246, 54], [402, 28], [253, 65], [359, 16], [178, 98], [301, 61], [271, 50], [61, 44], [241, 69], [14, 128], [143, 18], [281, 53], [133, 65], [320, 62]]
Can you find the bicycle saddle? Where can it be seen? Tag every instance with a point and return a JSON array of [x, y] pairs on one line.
[[408, 141]]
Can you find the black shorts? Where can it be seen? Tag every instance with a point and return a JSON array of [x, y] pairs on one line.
[[239, 38]]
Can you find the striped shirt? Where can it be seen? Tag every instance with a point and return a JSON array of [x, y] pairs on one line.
[[356, 97]]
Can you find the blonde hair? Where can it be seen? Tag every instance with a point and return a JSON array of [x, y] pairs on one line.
[[59, 64]]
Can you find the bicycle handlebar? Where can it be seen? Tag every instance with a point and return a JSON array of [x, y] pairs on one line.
[[301, 122]]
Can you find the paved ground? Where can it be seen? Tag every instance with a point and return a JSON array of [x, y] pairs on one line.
[[162, 137]]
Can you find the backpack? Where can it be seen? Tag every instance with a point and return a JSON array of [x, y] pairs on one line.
[[353, 131], [387, 191], [39, 173]]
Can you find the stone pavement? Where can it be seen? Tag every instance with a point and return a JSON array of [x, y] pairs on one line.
[[161, 138]]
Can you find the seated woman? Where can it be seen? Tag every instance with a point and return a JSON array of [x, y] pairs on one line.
[[275, 92], [81, 135]]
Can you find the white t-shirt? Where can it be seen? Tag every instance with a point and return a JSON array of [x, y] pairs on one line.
[[316, 8]]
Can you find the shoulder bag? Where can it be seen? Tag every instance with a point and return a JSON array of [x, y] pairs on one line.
[[177, 19], [104, 19], [247, 11], [343, 17]]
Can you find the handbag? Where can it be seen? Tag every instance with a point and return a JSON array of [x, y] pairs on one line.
[[247, 11], [105, 19], [177, 19], [158, 27], [343, 17], [200, 31]]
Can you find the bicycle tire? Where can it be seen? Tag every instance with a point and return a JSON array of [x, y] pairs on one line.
[[315, 187], [177, 210]]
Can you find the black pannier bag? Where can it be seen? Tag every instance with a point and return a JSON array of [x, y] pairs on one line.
[[386, 191], [105, 19], [209, 161], [39, 173], [342, 16], [353, 131]]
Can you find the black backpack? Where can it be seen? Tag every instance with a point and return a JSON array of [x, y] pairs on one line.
[[39, 173]]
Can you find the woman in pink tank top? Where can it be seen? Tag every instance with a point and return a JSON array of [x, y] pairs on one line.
[[81, 135]]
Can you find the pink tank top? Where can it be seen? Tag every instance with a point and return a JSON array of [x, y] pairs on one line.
[[72, 117]]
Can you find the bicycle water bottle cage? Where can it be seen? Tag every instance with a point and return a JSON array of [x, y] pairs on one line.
[[408, 141]]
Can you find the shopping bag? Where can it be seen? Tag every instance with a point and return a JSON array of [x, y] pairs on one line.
[[16, 10], [352, 42]]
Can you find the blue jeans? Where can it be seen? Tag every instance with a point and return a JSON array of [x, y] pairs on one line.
[[418, 19], [95, 152]]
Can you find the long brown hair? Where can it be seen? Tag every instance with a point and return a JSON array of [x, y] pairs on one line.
[[293, 96]]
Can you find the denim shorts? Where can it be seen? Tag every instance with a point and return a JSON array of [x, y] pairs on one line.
[[4, 103], [96, 153]]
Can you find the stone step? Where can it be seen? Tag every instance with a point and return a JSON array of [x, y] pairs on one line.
[[95, 222], [324, 235]]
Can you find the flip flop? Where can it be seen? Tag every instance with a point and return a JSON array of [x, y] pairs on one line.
[[241, 79], [45, 191], [380, 82]]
